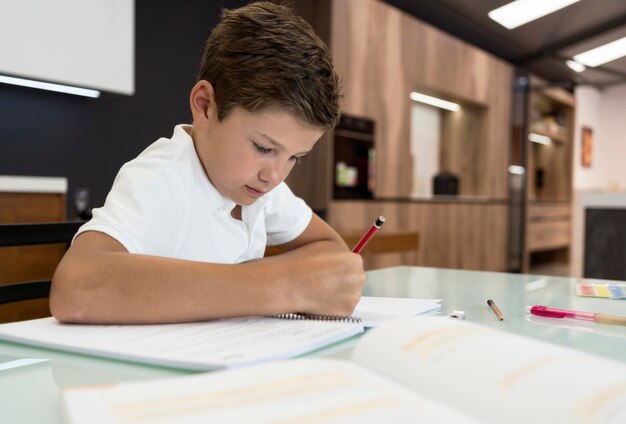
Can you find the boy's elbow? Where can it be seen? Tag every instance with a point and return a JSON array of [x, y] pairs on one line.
[[64, 301]]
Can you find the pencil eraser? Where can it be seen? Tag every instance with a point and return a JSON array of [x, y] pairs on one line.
[[457, 314]]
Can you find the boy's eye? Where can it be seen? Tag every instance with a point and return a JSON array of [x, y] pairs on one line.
[[261, 149], [296, 159]]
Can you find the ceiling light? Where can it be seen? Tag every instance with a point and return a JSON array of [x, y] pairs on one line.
[[575, 66], [59, 88], [603, 54], [541, 139], [520, 12], [434, 101]]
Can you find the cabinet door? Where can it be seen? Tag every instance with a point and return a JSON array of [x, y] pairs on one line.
[[549, 145], [544, 235]]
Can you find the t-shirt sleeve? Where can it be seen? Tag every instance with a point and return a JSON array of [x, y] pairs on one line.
[[143, 211], [286, 216]]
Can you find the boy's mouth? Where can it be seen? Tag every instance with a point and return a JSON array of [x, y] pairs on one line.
[[254, 192]]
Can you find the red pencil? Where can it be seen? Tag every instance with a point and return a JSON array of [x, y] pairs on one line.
[[369, 234]]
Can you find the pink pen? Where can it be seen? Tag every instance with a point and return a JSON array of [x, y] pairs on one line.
[[546, 311]]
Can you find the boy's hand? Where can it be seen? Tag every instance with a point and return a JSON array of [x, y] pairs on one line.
[[327, 283]]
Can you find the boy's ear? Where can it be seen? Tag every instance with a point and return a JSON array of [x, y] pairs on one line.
[[202, 102]]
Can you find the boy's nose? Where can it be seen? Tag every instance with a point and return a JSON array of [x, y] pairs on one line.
[[273, 174]]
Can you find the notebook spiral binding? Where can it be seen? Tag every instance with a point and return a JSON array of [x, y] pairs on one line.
[[317, 317]]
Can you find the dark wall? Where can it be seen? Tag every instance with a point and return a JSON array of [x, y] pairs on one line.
[[88, 140]]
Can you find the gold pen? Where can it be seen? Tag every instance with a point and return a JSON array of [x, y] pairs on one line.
[[495, 309]]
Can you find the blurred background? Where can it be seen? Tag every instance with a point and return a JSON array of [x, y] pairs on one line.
[[489, 143]]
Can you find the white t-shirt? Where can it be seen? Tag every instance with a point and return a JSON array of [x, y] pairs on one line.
[[162, 203]]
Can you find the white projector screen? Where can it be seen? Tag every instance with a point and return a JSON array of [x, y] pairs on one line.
[[85, 43]]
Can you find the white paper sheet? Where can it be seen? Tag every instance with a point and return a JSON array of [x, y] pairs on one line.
[[204, 345]]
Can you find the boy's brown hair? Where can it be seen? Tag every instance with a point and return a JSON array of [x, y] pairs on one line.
[[264, 55]]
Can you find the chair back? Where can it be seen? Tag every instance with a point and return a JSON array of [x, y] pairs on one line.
[[19, 247], [400, 243]]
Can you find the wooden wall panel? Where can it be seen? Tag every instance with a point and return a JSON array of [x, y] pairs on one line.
[[499, 77], [451, 235], [382, 54]]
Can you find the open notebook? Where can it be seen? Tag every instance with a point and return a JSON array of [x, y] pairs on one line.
[[210, 345], [425, 370]]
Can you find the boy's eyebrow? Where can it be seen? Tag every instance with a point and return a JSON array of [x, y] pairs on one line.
[[277, 144]]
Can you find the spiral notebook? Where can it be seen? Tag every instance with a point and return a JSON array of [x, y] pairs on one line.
[[373, 311], [209, 345]]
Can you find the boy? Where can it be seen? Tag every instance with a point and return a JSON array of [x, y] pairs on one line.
[[183, 231]]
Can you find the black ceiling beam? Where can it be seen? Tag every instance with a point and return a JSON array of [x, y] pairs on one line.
[[553, 48], [580, 78], [601, 68]]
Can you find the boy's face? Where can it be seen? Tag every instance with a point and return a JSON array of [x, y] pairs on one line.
[[247, 154]]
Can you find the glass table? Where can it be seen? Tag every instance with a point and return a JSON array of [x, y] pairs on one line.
[[30, 393]]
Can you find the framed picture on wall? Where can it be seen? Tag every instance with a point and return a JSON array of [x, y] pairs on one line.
[[587, 147]]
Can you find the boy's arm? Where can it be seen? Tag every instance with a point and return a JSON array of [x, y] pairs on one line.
[[98, 281]]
